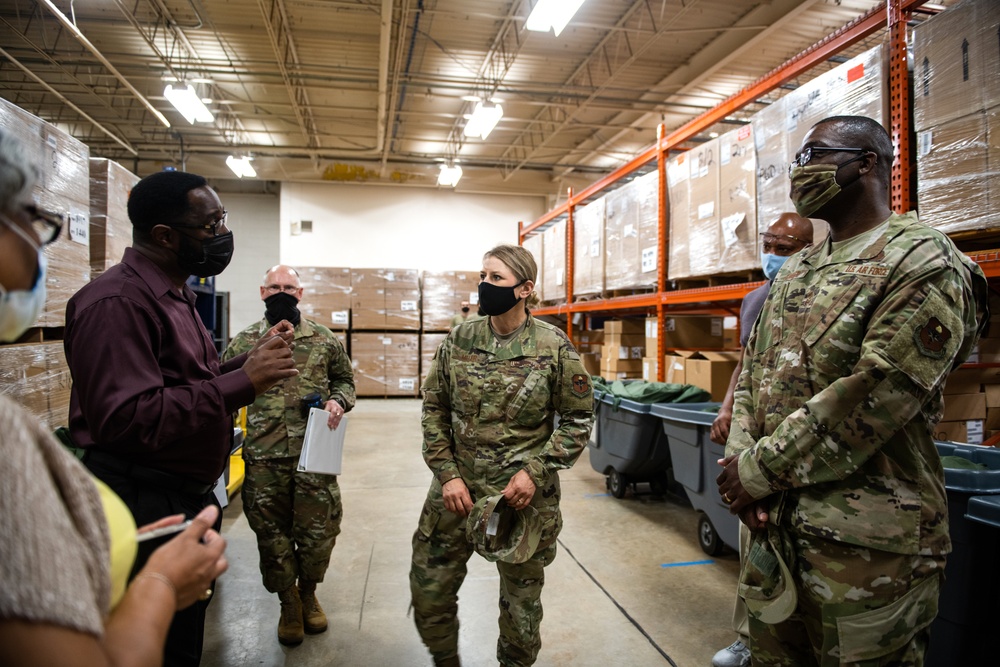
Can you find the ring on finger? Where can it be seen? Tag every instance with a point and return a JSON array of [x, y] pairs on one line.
[[726, 498]]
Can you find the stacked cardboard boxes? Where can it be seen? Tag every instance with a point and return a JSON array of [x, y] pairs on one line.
[[631, 234], [64, 188], [327, 295], [386, 364], [535, 244], [588, 248], [957, 117], [443, 293], [110, 228], [554, 261], [36, 376], [623, 349], [385, 299]]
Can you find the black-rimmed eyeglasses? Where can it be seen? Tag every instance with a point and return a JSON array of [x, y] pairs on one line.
[[210, 226], [46, 224], [807, 154]]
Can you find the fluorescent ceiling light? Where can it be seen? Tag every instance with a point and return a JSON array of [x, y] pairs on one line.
[[483, 120], [553, 14], [450, 175], [186, 101], [241, 166]]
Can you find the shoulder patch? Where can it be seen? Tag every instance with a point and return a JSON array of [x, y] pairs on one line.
[[932, 338], [581, 385]]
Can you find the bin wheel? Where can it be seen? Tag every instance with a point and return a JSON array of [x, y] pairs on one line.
[[708, 539], [617, 483]]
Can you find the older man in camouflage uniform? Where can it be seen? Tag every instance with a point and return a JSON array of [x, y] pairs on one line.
[[830, 460], [488, 418], [295, 515]]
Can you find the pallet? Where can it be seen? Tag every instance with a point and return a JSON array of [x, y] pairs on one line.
[[40, 335], [715, 280], [977, 240]]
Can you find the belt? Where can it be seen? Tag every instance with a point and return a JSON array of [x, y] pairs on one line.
[[139, 473]]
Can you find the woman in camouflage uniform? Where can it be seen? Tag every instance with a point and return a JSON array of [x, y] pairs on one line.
[[490, 401]]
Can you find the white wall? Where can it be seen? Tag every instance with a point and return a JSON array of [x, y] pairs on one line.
[[362, 227], [254, 221], [369, 227]]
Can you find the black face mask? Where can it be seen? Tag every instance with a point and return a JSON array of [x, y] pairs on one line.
[[495, 300], [465, 309], [207, 258], [282, 306]]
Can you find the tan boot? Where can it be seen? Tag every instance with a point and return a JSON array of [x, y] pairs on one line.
[[290, 631], [312, 614]]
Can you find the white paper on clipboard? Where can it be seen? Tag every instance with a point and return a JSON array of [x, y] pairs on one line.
[[322, 449]]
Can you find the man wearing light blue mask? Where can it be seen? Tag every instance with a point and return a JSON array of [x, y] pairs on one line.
[[787, 235]]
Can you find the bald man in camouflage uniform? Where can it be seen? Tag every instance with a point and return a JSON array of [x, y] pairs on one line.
[[830, 460], [295, 515], [488, 415]]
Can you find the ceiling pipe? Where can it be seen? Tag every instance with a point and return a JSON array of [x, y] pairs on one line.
[[97, 54], [121, 142]]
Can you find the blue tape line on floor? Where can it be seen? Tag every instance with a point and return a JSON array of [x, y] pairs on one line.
[[692, 562], [596, 495]]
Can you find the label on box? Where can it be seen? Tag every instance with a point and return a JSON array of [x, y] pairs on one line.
[[730, 224], [595, 246], [725, 152], [79, 228], [649, 259], [925, 142], [629, 231], [407, 306], [407, 384], [390, 277], [386, 341], [339, 317], [706, 210], [974, 431], [560, 276], [716, 326]]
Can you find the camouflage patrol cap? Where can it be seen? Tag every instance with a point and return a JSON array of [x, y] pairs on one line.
[[766, 583], [500, 532]]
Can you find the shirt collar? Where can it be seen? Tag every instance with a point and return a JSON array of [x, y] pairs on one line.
[[153, 275]]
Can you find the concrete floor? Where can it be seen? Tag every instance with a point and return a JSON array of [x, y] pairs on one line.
[[612, 597]]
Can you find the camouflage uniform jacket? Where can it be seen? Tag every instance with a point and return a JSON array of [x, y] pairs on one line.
[[275, 423], [489, 410], [843, 380]]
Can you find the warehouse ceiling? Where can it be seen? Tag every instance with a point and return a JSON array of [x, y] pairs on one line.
[[380, 91]]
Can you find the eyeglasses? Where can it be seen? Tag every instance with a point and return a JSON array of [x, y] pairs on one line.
[[46, 224], [806, 156], [288, 289], [781, 244], [211, 226]]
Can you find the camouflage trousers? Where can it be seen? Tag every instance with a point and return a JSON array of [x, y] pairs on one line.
[[296, 517], [441, 551], [856, 606]]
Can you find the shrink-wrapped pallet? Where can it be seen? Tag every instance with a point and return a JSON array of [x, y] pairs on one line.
[[326, 295], [110, 227], [442, 294], [588, 248], [631, 235], [554, 259]]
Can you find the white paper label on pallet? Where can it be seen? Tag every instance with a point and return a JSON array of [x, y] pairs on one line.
[[473, 298], [408, 306], [595, 246], [407, 384], [79, 228], [386, 340], [730, 224], [340, 317], [390, 277], [629, 231], [925, 142], [706, 210], [649, 259], [974, 431], [725, 152], [560, 276], [716, 327]]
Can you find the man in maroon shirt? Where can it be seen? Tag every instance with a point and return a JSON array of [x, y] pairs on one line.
[[150, 402]]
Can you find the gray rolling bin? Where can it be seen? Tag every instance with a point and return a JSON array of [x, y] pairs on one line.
[[694, 456], [967, 608], [627, 445]]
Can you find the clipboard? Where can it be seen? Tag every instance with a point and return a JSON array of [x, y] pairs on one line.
[[322, 449]]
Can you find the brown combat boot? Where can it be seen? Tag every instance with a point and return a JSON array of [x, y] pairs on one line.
[[312, 614], [290, 630]]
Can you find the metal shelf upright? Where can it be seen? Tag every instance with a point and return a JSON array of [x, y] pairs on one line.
[[893, 15]]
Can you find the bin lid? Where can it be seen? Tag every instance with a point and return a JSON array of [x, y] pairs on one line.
[[702, 414], [984, 509], [626, 404], [973, 482]]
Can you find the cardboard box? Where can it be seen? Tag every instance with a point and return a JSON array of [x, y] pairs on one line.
[[649, 369], [611, 365], [970, 431], [110, 227], [442, 294], [633, 327], [631, 234], [963, 407], [588, 248], [992, 392], [964, 381], [692, 331], [591, 362], [992, 422], [712, 371], [554, 258], [952, 174], [738, 244], [676, 367]]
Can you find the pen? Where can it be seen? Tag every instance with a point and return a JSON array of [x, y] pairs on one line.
[[160, 532]]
